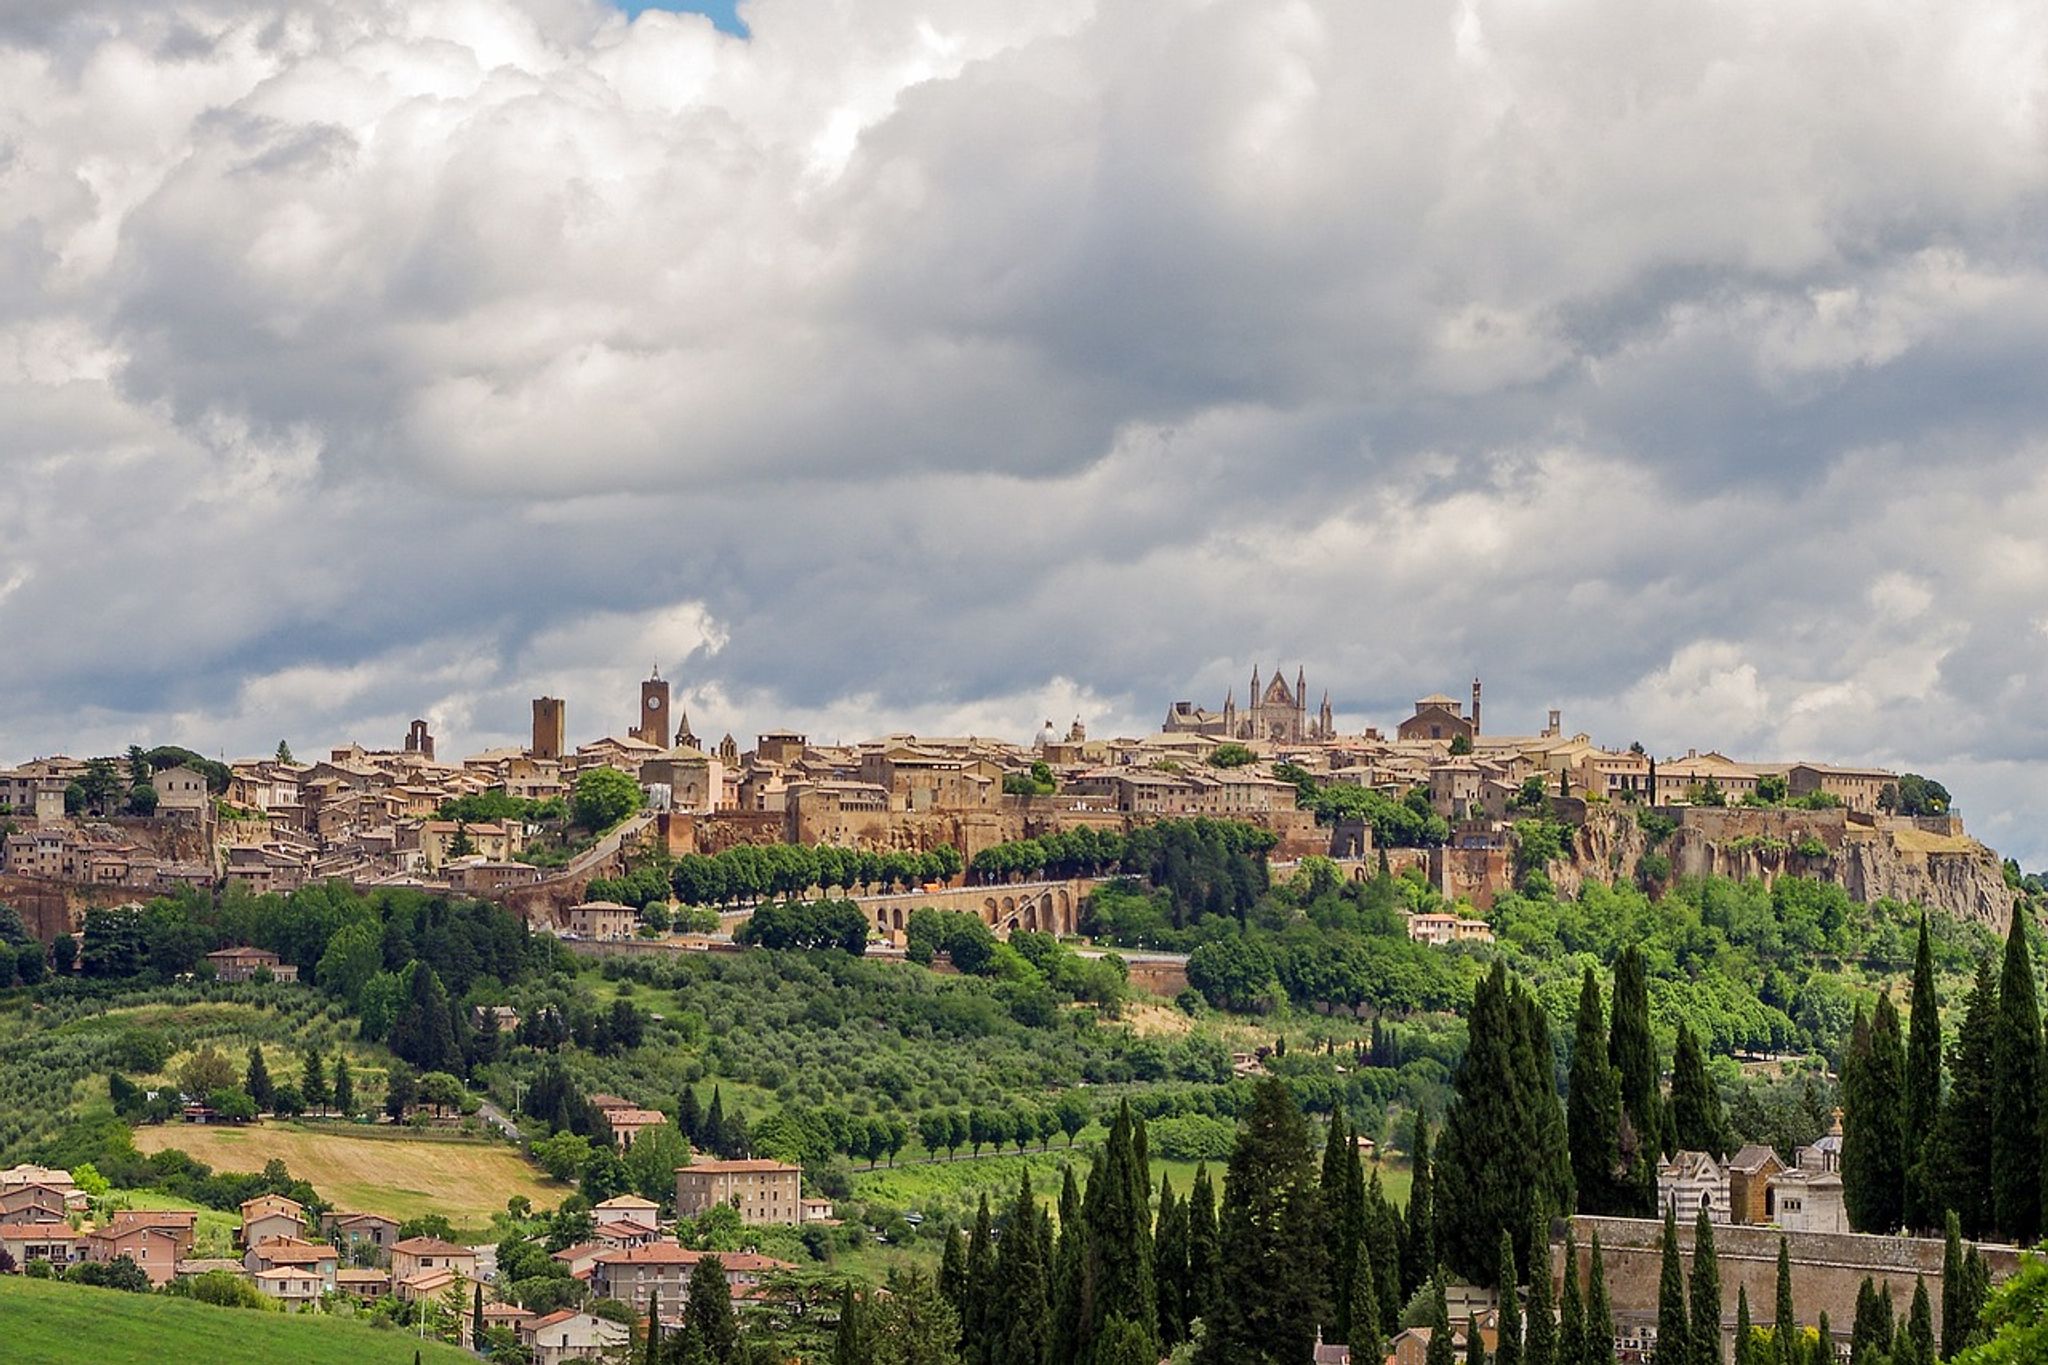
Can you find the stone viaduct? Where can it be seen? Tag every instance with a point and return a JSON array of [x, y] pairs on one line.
[[1054, 907]]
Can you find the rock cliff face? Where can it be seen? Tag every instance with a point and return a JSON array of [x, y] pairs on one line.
[[1929, 863]]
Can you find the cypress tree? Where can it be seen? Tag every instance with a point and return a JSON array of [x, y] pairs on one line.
[[1633, 1050], [1705, 1334], [1418, 1251], [476, 1318], [1785, 1328], [1745, 1334], [1823, 1352], [1509, 1345], [1383, 1228], [1475, 1343], [1970, 1309], [1923, 1087], [1920, 1327], [1873, 1109], [1272, 1233], [709, 1311], [1599, 1329], [653, 1323], [1440, 1350], [1338, 1155], [1170, 1265], [982, 1289], [1540, 1344], [2015, 1114], [1116, 1209], [712, 1129], [1674, 1326], [257, 1082], [344, 1085], [1863, 1334], [1205, 1251], [953, 1271], [849, 1341], [1886, 1320], [1593, 1107], [1503, 1146], [1366, 1341], [689, 1117], [1959, 1156], [1070, 1268], [1024, 1311], [313, 1079], [1571, 1325], [1696, 1113], [1952, 1273]]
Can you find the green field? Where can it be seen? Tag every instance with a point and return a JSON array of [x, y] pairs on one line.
[[44, 1320]]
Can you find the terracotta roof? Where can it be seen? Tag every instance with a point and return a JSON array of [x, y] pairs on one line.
[[628, 1201], [655, 1253], [745, 1164], [430, 1246], [362, 1275], [40, 1232], [559, 1315]]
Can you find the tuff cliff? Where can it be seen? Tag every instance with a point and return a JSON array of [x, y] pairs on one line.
[[1929, 862]]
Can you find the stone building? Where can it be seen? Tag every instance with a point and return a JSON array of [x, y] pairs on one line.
[[1276, 714], [763, 1191]]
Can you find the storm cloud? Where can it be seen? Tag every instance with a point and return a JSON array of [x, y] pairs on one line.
[[949, 367]]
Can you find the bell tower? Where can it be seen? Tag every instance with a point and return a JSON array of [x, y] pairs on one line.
[[653, 725]]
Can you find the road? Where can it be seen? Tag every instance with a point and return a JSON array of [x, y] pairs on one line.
[[499, 1119]]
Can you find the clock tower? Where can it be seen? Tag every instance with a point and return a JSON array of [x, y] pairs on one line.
[[653, 725]]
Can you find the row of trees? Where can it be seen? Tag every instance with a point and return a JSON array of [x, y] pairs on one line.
[[750, 872], [1208, 866], [807, 924], [1912, 1149]]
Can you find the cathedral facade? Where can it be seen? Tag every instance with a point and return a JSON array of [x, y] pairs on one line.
[[1275, 713]]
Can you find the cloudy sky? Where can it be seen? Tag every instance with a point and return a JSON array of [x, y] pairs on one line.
[[876, 364]]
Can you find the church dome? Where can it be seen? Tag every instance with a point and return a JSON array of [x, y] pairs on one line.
[[1045, 736]]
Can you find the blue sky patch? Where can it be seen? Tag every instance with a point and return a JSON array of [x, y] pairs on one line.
[[723, 13]]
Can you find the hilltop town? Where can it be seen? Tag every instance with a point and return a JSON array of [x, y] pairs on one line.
[[1438, 793], [556, 1051]]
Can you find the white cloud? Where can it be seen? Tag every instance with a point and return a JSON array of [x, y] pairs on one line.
[[946, 370]]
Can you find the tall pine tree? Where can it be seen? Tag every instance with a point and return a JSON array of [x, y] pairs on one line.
[[1959, 1156], [1508, 1344], [1540, 1337], [1785, 1325], [1340, 1173], [983, 1301], [1599, 1329], [1117, 1211], [1593, 1107], [1705, 1334], [2015, 1107], [1170, 1265], [1383, 1229], [1205, 1251], [1070, 1268], [1696, 1113], [1923, 1089], [1571, 1317], [1745, 1331], [1440, 1351], [1503, 1150], [1674, 1325], [1919, 1328], [1418, 1249], [1024, 1313], [1873, 1111], [1632, 1050], [1273, 1239]]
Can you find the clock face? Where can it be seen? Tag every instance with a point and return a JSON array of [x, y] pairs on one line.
[[654, 703]]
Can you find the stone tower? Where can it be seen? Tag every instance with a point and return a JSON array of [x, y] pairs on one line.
[[548, 728], [1475, 707], [653, 724], [419, 740]]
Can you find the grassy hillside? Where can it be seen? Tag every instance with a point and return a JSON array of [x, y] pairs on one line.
[[44, 1321], [402, 1177]]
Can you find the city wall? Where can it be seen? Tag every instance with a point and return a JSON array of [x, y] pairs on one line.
[[1827, 1268]]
